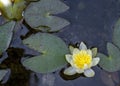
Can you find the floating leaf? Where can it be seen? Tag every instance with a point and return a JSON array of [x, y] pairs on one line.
[[52, 50], [110, 63], [40, 14], [12, 11], [6, 35], [2, 74], [116, 34], [109, 78]]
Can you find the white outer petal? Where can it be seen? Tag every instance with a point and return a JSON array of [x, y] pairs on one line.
[[76, 50], [89, 52], [89, 73], [70, 71], [71, 48], [79, 70], [95, 61], [82, 46], [68, 57], [86, 66], [72, 64]]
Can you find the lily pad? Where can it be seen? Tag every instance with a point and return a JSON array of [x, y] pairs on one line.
[[110, 63], [6, 35], [40, 13], [12, 11], [109, 79], [52, 50], [116, 34], [2, 74]]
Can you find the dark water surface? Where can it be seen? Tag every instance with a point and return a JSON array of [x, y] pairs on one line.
[[91, 21]]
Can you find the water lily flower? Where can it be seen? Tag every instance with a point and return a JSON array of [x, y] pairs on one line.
[[81, 61], [5, 2]]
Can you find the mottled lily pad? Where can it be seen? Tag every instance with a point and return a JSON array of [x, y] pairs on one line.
[[13, 11], [110, 63], [116, 34], [6, 35], [39, 14], [52, 50]]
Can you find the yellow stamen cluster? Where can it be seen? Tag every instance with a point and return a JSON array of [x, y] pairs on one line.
[[81, 58]]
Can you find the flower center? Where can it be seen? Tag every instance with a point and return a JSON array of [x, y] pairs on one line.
[[82, 58]]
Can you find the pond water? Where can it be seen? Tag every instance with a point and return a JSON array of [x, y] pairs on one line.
[[91, 21]]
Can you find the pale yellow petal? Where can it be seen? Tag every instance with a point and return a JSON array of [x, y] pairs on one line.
[[71, 48], [72, 63], [79, 70], [89, 73], [76, 50], [89, 52], [85, 66], [70, 71], [95, 61]]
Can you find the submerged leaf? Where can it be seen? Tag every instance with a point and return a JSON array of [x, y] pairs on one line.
[[111, 63], [52, 50], [110, 78], [40, 14], [2, 74], [6, 35]]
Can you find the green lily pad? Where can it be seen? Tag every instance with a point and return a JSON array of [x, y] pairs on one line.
[[40, 13], [6, 35], [52, 50], [2, 74], [110, 63], [116, 34], [13, 11]]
